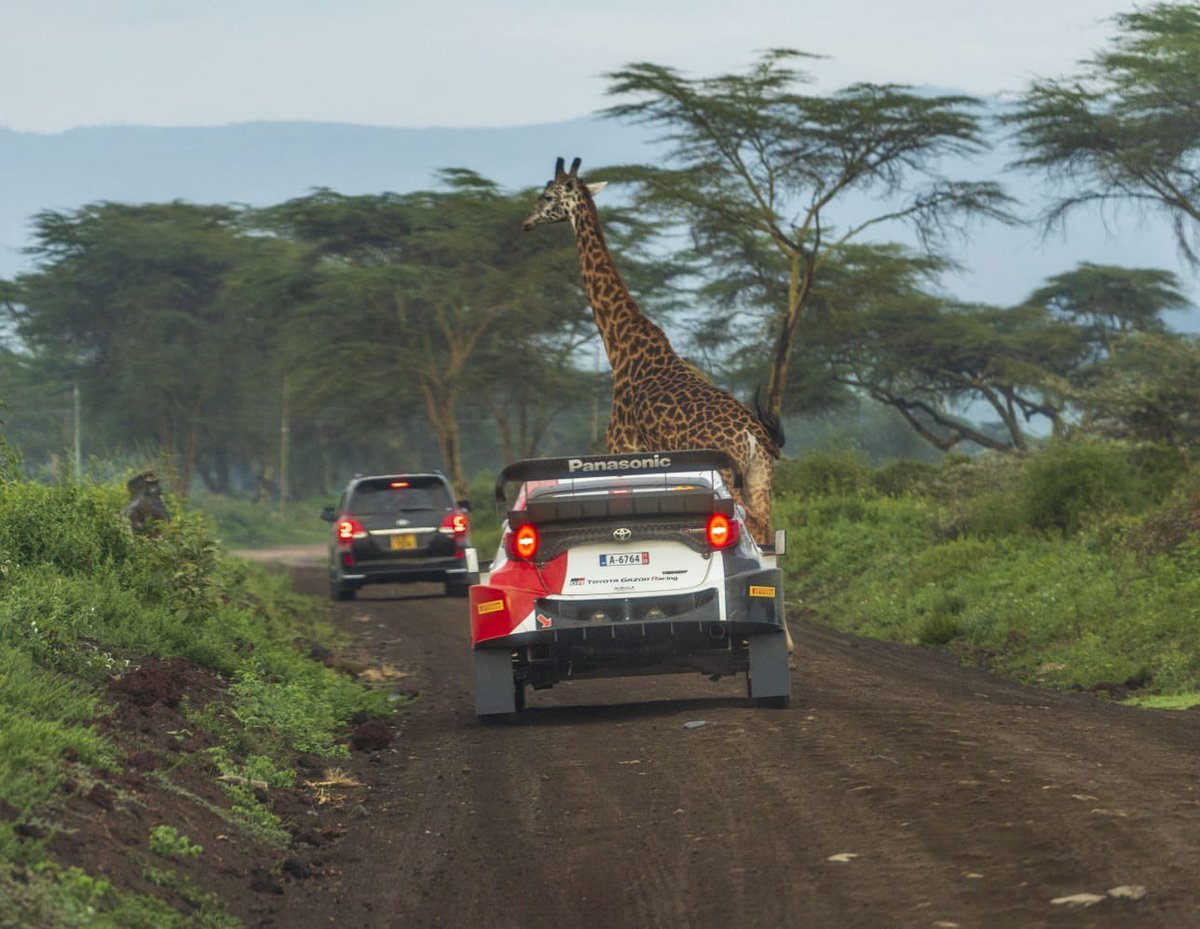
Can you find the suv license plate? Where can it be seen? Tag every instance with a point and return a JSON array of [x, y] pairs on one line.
[[624, 558], [403, 540]]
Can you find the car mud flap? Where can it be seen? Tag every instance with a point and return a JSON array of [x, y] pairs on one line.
[[494, 690], [769, 675]]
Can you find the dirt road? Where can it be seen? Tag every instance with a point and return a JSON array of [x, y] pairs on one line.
[[899, 790]]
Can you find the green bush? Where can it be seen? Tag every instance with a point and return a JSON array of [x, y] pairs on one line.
[[1071, 484], [246, 524], [904, 476], [69, 622], [1048, 568], [171, 843], [84, 598], [822, 474]]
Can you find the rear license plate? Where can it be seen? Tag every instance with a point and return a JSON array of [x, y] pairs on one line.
[[403, 540], [624, 558]]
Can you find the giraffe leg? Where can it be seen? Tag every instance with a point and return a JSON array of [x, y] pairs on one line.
[[760, 475]]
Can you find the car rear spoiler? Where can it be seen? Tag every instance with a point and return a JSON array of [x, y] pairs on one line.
[[664, 462]]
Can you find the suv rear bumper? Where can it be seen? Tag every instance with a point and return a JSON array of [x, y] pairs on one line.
[[441, 569]]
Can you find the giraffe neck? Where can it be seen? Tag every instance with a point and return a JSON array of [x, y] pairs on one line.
[[626, 331]]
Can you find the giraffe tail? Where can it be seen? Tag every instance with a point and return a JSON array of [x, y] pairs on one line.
[[769, 421]]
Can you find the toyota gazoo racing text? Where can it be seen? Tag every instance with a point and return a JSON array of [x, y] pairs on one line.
[[625, 564]]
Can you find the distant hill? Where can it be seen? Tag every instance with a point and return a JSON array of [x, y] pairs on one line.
[[264, 163]]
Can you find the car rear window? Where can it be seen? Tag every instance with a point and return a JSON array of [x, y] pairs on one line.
[[398, 495], [601, 498]]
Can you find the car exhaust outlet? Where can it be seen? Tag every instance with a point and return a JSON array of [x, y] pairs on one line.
[[717, 632]]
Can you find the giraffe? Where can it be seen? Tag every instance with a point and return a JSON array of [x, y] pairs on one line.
[[659, 400]]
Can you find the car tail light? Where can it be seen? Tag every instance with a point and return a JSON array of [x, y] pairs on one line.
[[456, 524], [348, 528], [722, 531], [523, 542]]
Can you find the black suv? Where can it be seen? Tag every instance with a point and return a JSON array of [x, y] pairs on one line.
[[396, 528]]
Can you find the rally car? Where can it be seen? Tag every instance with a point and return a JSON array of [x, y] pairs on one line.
[[621, 565]]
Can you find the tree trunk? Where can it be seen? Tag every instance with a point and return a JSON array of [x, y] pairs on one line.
[[439, 411], [799, 284]]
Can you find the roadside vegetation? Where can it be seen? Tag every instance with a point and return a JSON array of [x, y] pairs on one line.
[[241, 523], [86, 606], [1076, 567]]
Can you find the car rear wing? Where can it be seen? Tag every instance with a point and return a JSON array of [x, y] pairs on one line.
[[663, 462]]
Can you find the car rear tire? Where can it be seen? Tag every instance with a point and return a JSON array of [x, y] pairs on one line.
[[340, 592]]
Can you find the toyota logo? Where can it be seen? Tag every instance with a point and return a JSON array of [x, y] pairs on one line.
[[622, 535]]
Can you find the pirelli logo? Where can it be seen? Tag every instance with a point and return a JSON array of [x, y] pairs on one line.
[[762, 591], [491, 606]]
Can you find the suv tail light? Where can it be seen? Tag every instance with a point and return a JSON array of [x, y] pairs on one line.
[[523, 542], [348, 528], [456, 524], [722, 531]]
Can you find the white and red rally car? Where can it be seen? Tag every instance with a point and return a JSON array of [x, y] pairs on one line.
[[625, 564]]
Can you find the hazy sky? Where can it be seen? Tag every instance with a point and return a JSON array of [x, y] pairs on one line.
[[66, 63]]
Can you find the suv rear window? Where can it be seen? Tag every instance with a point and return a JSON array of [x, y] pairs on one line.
[[398, 495]]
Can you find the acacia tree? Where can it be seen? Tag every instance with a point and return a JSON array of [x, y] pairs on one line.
[[129, 302], [1125, 129], [931, 359], [1150, 390], [1112, 302], [759, 173], [411, 294], [1139, 380]]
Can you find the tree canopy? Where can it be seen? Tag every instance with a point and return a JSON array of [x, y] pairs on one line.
[[757, 172], [1125, 128]]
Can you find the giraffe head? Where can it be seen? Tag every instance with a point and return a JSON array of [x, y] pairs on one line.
[[561, 197]]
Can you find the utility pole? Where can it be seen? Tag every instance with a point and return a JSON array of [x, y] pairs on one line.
[[284, 446], [78, 457]]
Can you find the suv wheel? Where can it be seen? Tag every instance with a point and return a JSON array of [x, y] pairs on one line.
[[338, 591]]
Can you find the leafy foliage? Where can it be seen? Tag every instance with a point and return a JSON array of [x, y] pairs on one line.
[[758, 169], [171, 843], [1074, 567], [410, 291], [1125, 129], [83, 599]]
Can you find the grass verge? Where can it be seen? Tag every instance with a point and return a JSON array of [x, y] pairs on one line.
[[1068, 569], [86, 606]]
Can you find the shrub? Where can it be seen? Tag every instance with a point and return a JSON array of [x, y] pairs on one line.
[[1059, 610], [171, 843], [1071, 484], [1167, 528], [822, 474], [904, 476]]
